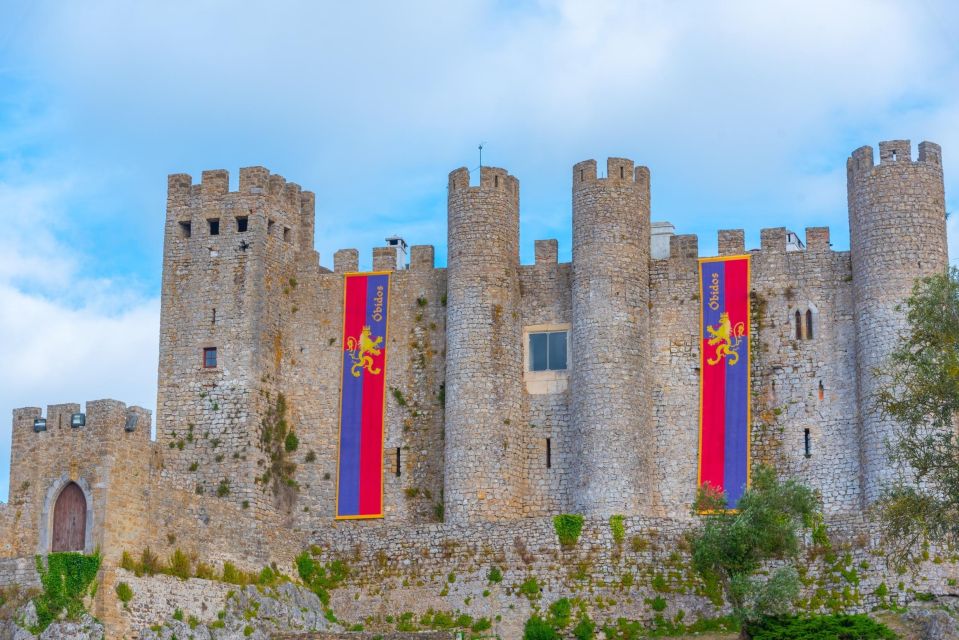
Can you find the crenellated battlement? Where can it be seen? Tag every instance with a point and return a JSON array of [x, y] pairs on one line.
[[491, 178], [106, 420], [892, 153], [618, 170], [215, 184]]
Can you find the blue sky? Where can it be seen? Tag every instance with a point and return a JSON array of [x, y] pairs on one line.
[[744, 114]]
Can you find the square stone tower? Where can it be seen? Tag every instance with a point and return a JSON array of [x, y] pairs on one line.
[[229, 268]]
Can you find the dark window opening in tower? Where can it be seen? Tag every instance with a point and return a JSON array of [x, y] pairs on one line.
[[398, 466], [893, 156], [807, 441], [822, 391], [209, 358], [185, 229], [798, 325], [622, 172], [549, 454], [547, 351], [495, 181], [214, 226], [287, 235], [213, 321], [269, 227], [242, 224], [809, 334]]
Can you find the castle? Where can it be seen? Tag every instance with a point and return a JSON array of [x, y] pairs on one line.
[[514, 392]]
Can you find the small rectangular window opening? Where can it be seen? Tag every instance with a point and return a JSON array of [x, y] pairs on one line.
[[185, 230], [808, 443], [209, 358], [809, 324], [549, 454], [269, 227], [214, 226], [622, 172], [287, 234], [798, 325], [398, 467], [822, 391], [242, 223], [214, 316]]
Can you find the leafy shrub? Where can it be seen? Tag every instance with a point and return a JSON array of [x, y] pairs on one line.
[[624, 630], [585, 629], [483, 624], [568, 527], [66, 579], [560, 613], [124, 592], [617, 528], [530, 588], [538, 629], [731, 547], [658, 604], [267, 577], [495, 576], [291, 443], [321, 579], [834, 627]]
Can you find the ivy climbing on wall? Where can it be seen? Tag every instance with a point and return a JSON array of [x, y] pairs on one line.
[[67, 578]]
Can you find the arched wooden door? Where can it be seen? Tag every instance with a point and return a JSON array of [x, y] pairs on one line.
[[69, 520]]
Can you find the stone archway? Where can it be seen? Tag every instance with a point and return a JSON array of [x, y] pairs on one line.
[[69, 520]]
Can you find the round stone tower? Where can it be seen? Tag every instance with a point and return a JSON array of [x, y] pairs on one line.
[[897, 233], [484, 362], [611, 398]]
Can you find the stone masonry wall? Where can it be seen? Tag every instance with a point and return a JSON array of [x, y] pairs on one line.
[[545, 291], [409, 571]]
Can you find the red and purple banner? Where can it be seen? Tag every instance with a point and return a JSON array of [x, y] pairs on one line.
[[724, 413], [359, 492]]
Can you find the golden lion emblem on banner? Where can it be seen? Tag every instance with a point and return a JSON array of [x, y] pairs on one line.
[[362, 351], [726, 338]]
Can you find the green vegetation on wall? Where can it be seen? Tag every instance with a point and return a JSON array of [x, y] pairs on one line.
[[66, 578], [568, 527], [278, 447], [731, 546]]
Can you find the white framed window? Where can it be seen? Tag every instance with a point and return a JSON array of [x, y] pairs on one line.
[[546, 357]]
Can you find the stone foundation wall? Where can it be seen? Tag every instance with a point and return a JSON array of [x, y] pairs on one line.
[[156, 598], [445, 568], [20, 572]]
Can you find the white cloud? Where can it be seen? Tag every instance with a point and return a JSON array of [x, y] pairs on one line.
[[65, 337]]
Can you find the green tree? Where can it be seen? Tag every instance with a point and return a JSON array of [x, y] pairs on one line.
[[730, 547], [920, 391]]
